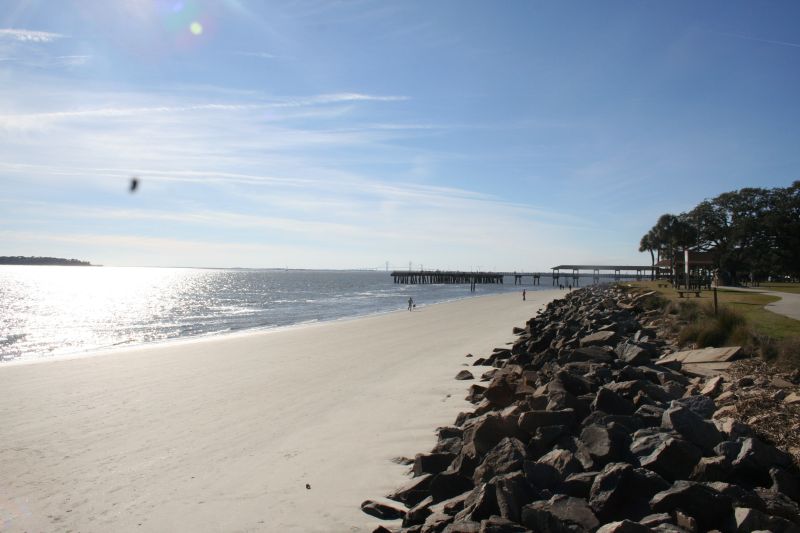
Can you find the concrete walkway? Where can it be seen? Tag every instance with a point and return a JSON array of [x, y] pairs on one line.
[[788, 305]]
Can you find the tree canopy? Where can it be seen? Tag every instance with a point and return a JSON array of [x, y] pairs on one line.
[[752, 230]]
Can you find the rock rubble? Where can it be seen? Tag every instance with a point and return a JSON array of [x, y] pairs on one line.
[[577, 429]]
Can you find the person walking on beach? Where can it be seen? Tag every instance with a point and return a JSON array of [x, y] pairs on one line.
[[410, 303], [523, 295]]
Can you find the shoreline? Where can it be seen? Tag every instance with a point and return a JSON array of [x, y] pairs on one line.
[[256, 330], [225, 433]]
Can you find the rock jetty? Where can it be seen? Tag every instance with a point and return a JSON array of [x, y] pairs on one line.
[[576, 428]]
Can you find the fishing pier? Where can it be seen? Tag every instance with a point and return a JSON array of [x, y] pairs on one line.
[[448, 277], [572, 273]]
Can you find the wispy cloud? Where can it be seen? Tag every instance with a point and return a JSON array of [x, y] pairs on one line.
[[38, 120], [29, 36], [262, 55], [758, 39]]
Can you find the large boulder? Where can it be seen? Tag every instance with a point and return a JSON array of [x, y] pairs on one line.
[[414, 491], [622, 491], [710, 508], [692, 427], [507, 456], [672, 459], [501, 390], [384, 509], [702, 406], [447, 485], [511, 493], [632, 353], [551, 469], [559, 514], [605, 445], [431, 463], [601, 338], [531, 420], [610, 402]]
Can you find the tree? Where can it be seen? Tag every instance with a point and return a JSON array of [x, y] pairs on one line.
[[752, 232], [648, 244]]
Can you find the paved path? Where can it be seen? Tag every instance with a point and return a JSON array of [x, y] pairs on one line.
[[788, 305]]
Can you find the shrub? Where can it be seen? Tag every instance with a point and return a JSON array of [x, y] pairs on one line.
[[706, 329]]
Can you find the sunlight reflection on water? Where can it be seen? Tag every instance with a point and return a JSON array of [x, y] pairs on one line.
[[48, 311]]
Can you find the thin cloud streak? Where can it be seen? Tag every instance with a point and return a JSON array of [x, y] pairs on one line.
[[29, 36], [34, 120], [758, 39]]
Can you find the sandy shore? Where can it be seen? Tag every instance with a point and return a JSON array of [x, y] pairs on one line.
[[224, 434]]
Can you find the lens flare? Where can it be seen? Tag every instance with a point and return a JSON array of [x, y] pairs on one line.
[[196, 28]]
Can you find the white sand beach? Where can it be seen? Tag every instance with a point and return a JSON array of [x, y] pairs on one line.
[[224, 434]]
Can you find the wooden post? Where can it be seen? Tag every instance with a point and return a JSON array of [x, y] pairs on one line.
[[715, 301]]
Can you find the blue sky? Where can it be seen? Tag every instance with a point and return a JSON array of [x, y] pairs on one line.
[[452, 134]]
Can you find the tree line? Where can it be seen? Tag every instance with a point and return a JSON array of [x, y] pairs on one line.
[[750, 233], [20, 260]]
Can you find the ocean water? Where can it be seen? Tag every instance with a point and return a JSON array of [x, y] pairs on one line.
[[49, 311]]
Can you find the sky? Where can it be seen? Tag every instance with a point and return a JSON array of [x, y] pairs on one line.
[[513, 135]]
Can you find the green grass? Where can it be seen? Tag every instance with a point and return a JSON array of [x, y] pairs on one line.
[[742, 320], [780, 287], [749, 304]]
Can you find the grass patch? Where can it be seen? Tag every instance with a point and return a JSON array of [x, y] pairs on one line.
[[741, 320], [780, 287], [727, 328], [749, 304]]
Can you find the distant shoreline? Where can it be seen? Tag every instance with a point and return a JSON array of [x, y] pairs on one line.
[[38, 261]]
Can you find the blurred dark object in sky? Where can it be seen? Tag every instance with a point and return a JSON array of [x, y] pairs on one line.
[[134, 184]]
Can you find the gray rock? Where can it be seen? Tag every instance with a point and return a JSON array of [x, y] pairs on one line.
[[692, 427], [598, 354], [511, 493], [650, 414], [710, 508], [501, 390], [612, 403], [483, 434], [384, 509], [480, 504], [447, 485], [601, 338], [786, 482], [646, 440], [559, 514], [632, 353], [431, 463], [702, 406], [620, 491], [717, 468], [467, 526], [740, 496], [672, 459], [579, 484], [653, 520], [544, 439], [414, 491], [551, 469], [778, 504], [436, 522], [756, 455], [605, 445], [497, 524], [531, 420], [624, 526], [507, 456], [476, 393], [464, 374], [418, 513]]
